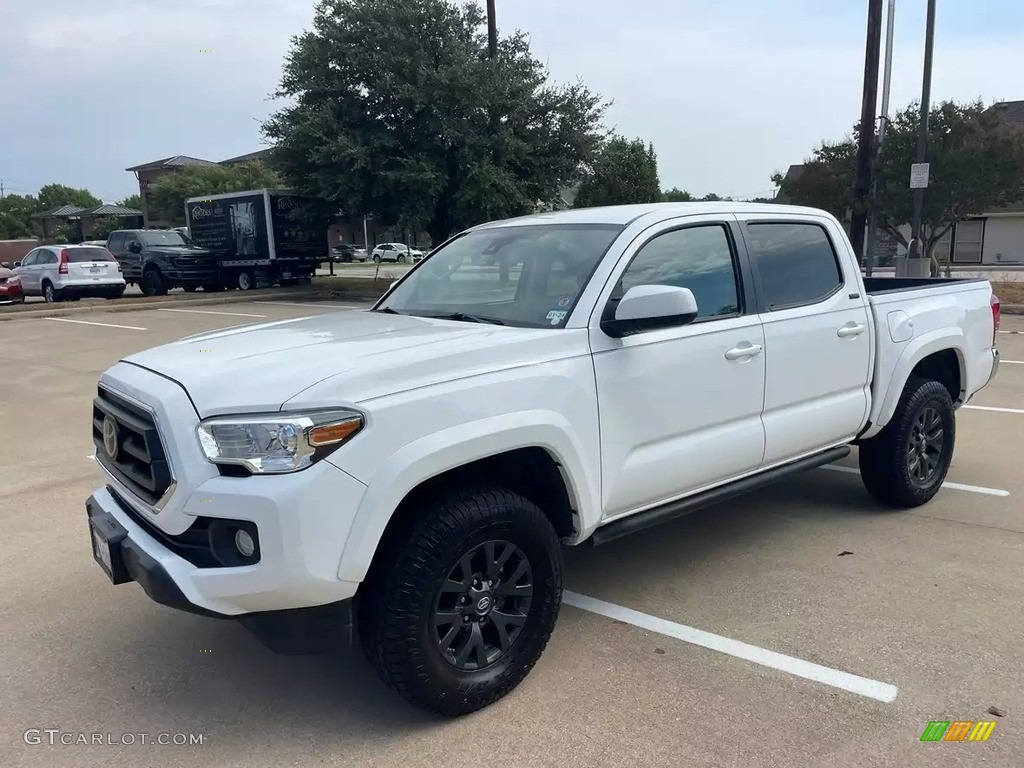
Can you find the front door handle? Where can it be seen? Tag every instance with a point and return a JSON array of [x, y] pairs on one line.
[[850, 330], [744, 352]]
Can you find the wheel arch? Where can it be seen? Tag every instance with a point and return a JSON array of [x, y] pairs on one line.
[[541, 463], [939, 356]]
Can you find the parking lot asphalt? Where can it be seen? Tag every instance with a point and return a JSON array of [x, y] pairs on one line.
[[925, 605]]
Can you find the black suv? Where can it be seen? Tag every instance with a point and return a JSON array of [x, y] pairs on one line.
[[159, 260]]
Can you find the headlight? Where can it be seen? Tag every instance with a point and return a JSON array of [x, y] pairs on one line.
[[277, 443]]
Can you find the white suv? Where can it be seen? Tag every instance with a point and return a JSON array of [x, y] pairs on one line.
[[58, 272], [399, 252]]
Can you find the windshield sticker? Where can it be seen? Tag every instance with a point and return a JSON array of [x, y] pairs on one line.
[[564, 301], [556, 316]]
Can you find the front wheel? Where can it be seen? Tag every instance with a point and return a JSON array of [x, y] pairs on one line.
[[188, 288], [906, 463], [153, 284], [245, 280], [456, 614]]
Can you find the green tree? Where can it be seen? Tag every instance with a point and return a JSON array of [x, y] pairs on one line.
[[104, 225], [16, 217], [132, 201], [977, 163], [676, 195], [396, 111], [168, 193], [623, 172], [62, 233], [55, 195]]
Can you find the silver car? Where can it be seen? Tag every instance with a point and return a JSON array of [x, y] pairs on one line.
[[58, 272]]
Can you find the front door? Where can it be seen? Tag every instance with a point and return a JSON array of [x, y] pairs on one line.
[[28, 272], [817, 334], [680, 407]]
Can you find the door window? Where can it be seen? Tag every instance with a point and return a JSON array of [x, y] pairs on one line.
[[116, 242], [795, 262], [698, 258], [30, 259]]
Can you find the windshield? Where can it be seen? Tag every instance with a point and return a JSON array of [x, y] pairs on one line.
[[163, 238], [526, 276]]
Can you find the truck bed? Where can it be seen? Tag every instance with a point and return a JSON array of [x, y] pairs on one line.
[[881, 285]]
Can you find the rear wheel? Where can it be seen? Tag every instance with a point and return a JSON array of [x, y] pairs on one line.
[[244, 280], [906, 463], [116, 294], [189, 288], [49, 294], [401, 259], [153, 283], [460, 608]]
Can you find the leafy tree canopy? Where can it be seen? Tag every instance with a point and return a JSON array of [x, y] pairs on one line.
[[977, 164], [676, 195], [623, 172], [396, 111], [132, 201], [16, 217], [168, 193], [55, 195]]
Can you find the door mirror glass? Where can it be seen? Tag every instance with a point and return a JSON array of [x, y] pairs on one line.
[[135, 248], [649, 307], [17, 264]]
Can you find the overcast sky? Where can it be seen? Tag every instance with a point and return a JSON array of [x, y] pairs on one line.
[[728, 91]]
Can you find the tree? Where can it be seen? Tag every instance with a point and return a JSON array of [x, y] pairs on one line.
[[623, 172], [396, 111], [676, 195], [132, 201], [55, 195], [104, 225], [63, 233], [16, 217], [977, 163], [168, 193]]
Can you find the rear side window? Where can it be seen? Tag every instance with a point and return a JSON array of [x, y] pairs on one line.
[[88, 253], [796, 263], [698, 258], [47, 257], [116, 241]]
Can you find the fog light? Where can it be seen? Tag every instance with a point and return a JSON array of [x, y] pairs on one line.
[[244, 543]]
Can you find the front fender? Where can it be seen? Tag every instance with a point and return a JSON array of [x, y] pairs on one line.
[[917, 349], [433, 454]]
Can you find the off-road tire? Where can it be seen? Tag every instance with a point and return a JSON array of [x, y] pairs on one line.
[[153, 283], [397, 602], [886, 459]]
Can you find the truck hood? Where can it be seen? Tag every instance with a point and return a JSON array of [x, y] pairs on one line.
[[365, 354]]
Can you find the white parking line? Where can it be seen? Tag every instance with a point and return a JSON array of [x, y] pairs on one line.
[[991, 408], [862, 686], [102, 325], [1014, 362], [310, 304], [947, 484], [208, 312]]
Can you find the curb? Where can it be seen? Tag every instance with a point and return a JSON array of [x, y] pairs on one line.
[[1012, 309], [131, 305]]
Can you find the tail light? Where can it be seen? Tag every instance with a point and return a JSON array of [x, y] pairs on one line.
[[994, 302], [111, 257], [63, 268]]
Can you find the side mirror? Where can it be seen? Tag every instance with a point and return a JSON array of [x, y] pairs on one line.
[[17, 264], [135, 248], [649, 307]]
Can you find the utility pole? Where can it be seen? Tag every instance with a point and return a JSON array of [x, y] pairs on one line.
[[916, 265], [869, 103], [492, 30], [883, 123]]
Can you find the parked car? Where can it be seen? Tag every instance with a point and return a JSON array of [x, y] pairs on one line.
[[159, 260], [58, 272], [399, 252], [346, 253], [10, 286], [417, 465]]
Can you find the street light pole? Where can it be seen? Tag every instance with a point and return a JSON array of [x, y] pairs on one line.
[[915, 264], [883, 122], [492, 30], [869, 103]]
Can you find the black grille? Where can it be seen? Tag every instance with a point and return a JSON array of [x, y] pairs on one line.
[[139, 461]]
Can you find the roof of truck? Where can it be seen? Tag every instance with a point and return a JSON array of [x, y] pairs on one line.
[[625, 214]]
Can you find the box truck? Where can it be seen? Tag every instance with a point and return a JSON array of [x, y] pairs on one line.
[[257, 239]]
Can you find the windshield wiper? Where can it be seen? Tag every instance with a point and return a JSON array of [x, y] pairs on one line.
[[462, 316], [388, 311]]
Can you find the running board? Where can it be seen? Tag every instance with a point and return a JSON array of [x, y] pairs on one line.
[[674, 509]]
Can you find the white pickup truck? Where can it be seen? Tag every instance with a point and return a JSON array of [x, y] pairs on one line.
[[410, 470]]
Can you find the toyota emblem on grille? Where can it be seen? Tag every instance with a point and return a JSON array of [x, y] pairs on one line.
[[110, 437]]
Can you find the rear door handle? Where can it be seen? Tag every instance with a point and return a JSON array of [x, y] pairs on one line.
[[850, 330], [744, 352]]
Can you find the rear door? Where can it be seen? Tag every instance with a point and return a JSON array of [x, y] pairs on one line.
[[47, 267], [817, 337], [91, 264]]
